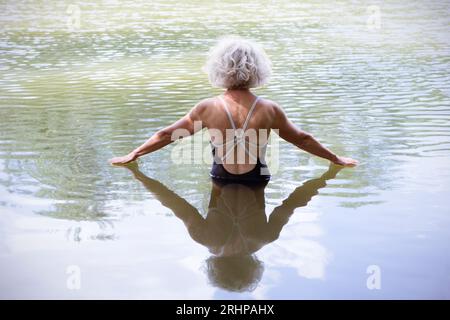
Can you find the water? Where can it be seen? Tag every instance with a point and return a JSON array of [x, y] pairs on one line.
[[73, 96]]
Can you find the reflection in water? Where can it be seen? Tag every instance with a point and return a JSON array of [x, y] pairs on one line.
[[236, 225]]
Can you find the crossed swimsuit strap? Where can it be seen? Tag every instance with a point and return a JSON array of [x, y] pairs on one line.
[[239, 133]]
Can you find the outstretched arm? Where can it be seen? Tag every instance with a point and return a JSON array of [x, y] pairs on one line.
[[298, 198], [305, 141], [180, 129]]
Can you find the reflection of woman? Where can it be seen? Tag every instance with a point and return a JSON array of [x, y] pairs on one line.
[[238, 122], [236, 225]]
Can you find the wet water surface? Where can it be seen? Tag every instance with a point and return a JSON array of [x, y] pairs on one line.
[[72, 95]]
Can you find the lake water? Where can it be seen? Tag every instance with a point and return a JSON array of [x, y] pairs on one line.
[[83, 81]]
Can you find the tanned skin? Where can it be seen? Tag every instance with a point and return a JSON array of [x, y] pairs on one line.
[[210, 112]]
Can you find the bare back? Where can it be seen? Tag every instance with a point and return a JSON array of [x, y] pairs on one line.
[[219, 126]]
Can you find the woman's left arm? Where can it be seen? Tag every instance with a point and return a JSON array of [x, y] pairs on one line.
[[180, 129]]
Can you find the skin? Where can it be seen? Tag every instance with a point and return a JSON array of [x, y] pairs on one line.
[[267, 115]]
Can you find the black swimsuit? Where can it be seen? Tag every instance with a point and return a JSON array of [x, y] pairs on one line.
[[259, 173]]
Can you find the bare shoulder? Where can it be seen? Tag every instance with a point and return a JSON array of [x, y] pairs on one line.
[[202, 105], [199, 110], [271, 107], [267, 103], [276, 113]]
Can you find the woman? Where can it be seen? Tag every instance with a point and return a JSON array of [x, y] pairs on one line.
[[238, 122]]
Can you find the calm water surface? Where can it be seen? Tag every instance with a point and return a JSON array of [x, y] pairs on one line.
[[74, 95]]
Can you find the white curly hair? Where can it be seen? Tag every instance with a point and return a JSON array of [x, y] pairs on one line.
[[236, 63]]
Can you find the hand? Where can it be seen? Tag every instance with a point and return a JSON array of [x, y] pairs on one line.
[[346, 162], [123, 160]]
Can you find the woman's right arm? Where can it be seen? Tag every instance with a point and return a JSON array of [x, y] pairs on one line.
[[163, 137], [304, 140]]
